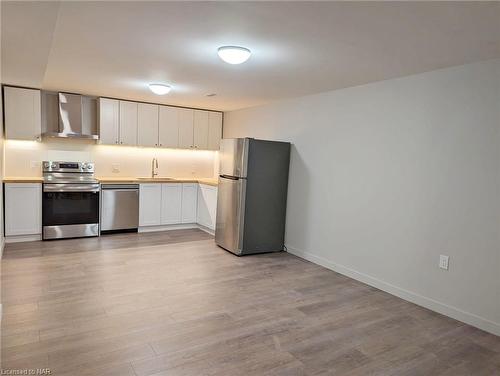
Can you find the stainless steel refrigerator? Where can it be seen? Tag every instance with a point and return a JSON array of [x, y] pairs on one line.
[[251, 202]]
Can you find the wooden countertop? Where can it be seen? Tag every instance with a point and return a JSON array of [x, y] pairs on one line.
[[123, 180], [129, 180], [23, 180]]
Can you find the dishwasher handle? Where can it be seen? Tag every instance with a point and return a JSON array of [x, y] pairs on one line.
[[120, 187]]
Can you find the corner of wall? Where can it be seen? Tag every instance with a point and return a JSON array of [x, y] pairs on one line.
[[2, 158]]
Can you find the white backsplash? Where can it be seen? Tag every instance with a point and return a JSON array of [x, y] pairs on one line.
[[69, 156], [22, 159]]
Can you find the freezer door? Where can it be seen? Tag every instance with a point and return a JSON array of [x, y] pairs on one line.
[[233, 156], [230, 214]]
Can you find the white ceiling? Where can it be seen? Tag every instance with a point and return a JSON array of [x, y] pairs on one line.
[[116, 48]]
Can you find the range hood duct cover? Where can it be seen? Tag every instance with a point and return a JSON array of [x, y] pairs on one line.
[[77, 117]]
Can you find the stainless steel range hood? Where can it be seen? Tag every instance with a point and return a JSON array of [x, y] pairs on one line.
[[77, 116]]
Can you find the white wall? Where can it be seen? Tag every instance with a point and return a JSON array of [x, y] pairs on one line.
[[386, 177], [1, 167], [2, 239], [1, 177], [23, 158]]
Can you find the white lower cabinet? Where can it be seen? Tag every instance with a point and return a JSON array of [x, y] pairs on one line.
[[207, 206], [189, 199], [177, 203], [159, 204], [171, 203], [23, 209], [150, 196]]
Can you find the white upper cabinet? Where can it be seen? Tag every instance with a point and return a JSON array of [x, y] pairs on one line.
[[200, 136], [109, 121], [168, 127], [189, 202], [147, 124], [150, 196], [23, 117], [171, 203], [186, 118], [23, 209], [199, 129], [144, 124], [214, 130], [128, 123]]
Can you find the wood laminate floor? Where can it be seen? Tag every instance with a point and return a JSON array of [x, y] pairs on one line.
[[174, 304]]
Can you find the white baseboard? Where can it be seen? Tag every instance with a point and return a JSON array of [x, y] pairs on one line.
[[175, 227], [206, 229], [181, 226], [434, 305], [2, 245], [22, 238]]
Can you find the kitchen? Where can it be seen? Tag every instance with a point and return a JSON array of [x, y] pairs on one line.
[[254, 188], [191, 200], [69, 201]]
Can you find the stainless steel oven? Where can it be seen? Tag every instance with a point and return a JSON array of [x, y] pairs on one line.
[[70, 202]]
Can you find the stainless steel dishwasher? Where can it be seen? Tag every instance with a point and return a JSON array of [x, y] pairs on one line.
[[119, 208]]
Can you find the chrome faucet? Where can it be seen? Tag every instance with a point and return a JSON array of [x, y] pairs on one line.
[[154, 167]]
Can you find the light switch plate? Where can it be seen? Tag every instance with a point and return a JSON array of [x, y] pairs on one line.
[[115, 167], [443, 262]]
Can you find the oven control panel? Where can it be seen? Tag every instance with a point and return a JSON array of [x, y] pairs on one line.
[[57, 166]]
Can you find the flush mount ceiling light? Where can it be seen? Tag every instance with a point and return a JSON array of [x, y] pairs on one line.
[[234, 54], [159, 89]]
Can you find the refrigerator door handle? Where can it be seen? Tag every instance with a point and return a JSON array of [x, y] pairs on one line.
[[230, 177]]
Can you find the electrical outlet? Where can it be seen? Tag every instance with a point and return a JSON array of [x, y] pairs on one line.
[[115, 168], [443, 262], [35, 164]]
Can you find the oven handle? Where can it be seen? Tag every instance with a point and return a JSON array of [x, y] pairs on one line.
[[71, 188]]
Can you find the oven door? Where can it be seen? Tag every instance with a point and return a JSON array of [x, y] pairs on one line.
[[70, 210]]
